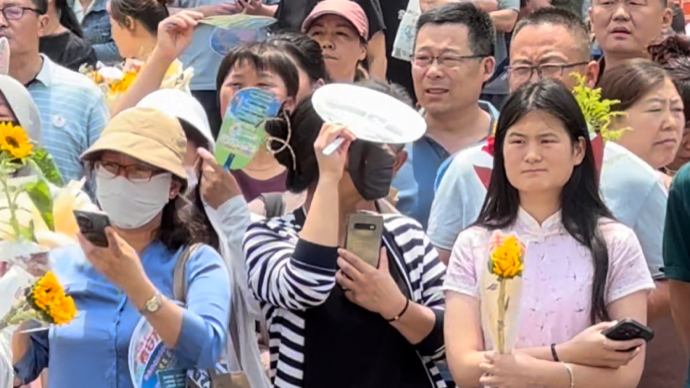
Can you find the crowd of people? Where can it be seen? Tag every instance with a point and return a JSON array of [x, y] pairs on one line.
[[270, 295]]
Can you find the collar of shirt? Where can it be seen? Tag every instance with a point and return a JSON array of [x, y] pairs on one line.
[[526, 224], [45, 76]]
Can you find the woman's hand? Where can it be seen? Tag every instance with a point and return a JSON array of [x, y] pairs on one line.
[[592, 348], [251, 7], [371, 288], [217, 184], [507, 371], [227, 8], [119, 262], [333, 165], [175, 33]]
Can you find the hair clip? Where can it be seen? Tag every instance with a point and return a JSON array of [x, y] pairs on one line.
[[284, 144]]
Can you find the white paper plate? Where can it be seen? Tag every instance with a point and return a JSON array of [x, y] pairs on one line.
[[368, 114]]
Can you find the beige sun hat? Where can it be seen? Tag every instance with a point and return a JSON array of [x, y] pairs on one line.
[[145, 134]]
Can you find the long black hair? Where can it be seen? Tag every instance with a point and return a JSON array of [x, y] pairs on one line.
[[67, 18], [581, 205]]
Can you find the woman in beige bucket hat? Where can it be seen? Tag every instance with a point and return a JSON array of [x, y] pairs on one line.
[[138, 167]]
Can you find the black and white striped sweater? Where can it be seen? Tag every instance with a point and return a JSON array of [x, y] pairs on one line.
[[287, 282]]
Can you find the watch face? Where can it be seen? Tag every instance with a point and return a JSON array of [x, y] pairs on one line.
[[153, 305]]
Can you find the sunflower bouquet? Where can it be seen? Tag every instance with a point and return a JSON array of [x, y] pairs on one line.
[[36, 211], [501, 289], [114, 81], [45, 301]]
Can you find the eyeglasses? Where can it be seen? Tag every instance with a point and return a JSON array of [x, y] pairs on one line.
[[133, 172], [14, 12], [543, 71], [445, 61]]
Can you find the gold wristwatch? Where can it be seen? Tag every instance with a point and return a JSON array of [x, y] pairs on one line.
[[152, 305]]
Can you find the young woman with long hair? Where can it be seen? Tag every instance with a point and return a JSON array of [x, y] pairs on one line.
[[582, 269]]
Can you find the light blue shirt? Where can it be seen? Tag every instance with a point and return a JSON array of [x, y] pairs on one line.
[[92, 351], [73, 115]]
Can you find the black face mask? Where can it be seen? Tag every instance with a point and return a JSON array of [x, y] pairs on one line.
[[371, 169]]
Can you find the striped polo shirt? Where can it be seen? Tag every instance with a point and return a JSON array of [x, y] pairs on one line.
[[73, 114]]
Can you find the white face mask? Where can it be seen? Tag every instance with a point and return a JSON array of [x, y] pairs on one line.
[[131, 205]]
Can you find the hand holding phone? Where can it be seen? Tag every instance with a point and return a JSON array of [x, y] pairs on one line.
[[629, 329], [592, 348], [364, 236], [92, 226]]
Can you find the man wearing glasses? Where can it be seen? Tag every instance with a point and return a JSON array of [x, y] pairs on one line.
[[72, 108], [452, 60]]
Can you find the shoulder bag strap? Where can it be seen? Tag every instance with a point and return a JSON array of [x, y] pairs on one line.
[[179, 273]]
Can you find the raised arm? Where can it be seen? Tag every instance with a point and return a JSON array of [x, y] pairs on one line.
[[297, 277], [174, 35]]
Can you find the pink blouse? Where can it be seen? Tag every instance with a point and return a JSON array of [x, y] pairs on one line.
[[557, 276]]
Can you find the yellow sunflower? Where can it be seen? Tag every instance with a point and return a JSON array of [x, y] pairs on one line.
[[14, 141], [47, 291], [121, 85], [63, 310]]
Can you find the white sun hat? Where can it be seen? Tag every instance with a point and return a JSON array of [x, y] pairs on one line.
[[182, 106]]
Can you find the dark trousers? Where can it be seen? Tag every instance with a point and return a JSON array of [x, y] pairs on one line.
[[209, 100]]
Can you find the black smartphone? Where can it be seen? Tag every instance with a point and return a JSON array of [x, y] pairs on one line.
[[364, 234], [629, 329], [92, 226]]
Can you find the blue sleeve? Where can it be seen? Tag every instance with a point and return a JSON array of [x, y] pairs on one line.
[[29, 368], [206, 318], [404, 181], [649, 229]]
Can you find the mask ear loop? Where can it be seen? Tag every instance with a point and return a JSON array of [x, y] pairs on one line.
[[285, 144]]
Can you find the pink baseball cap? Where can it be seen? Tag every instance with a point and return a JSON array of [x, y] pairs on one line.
[[347, 9]]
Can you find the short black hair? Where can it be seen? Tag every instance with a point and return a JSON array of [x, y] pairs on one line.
[[262, 56], [41, 6], [558, 17], [481, 33]]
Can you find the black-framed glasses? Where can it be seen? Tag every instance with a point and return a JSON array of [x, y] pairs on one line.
[[446, 60], [15, 12], [546, 70], [132, 172]]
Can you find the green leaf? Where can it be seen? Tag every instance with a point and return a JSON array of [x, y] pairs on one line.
[[241, 20], [492, 287], [507, 303], [27, 232], [39, 192], [46, 165]]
